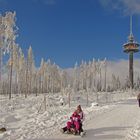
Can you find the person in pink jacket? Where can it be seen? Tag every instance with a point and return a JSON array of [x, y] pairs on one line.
[[75, 122]]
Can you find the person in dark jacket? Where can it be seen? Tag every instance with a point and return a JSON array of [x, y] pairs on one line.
[[138, 98], [74, 120]]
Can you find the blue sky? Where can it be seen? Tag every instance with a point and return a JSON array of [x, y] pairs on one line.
[[67, 31]]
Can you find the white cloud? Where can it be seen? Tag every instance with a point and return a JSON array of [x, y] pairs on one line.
[[119, 68], [127, 7]]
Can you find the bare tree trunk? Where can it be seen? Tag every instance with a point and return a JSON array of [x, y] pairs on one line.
[[0, 69], [87, 98], [11, 73], [105, 76], [69, 98], [30, 91], [16, 83], [100, 82], [40, 84], [45, 102], [105, 88], [11, 70], [36, 89], [29, 81], [26, 92], [97, 97], [94, 82], [8, 79]]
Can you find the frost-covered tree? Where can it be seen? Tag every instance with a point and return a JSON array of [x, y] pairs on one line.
[[10, 37], [93, 75], [30, 69], [21, 73], [127, 83], [2, 30], [105, 74], [75, 79], [138, 83], [1, 49], [56, 79], [16, 66], [64, 80], [42, 76], [7, 37], [115, 83]]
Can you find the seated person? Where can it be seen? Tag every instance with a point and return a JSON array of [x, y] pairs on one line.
[[74, 123], [77, 124]]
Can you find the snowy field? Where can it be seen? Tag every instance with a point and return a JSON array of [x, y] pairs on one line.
[[113, 124], [35, 118], [134, 133]]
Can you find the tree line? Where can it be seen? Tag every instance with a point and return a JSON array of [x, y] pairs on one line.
[[19, 75]]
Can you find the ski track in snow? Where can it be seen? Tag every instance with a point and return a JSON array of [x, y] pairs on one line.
[[112, 125]]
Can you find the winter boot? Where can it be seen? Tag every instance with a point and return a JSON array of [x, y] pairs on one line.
[[78, 132], [74, 132], [68, 131], [82, 134]]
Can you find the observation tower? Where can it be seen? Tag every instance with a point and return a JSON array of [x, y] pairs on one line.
[[130, 48]]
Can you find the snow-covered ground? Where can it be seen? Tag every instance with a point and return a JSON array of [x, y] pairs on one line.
[[134, 133], [114, 124], [26, 119]]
